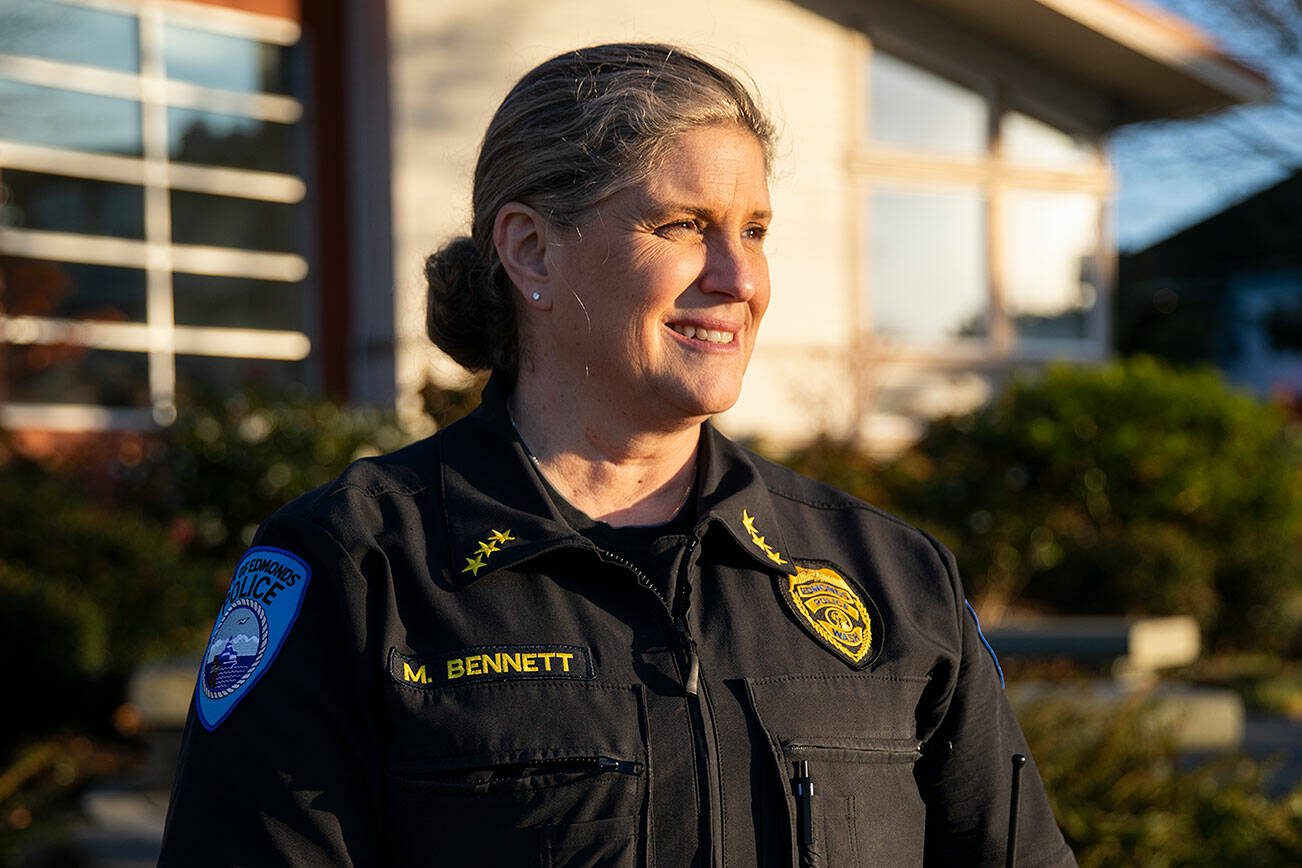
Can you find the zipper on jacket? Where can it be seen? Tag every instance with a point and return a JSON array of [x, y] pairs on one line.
[[691, 684], [601, 763], [864, 754], [700, 714], [624, 767], [699, 700], [478, 778]]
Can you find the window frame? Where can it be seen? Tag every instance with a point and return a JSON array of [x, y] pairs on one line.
[[874, 165], [156, 254]]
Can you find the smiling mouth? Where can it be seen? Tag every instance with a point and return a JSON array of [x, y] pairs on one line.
[[711, 336]]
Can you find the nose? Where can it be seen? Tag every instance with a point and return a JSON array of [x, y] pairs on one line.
[[734, 269]]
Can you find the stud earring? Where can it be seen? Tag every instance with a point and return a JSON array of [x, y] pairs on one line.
[[537, 296]]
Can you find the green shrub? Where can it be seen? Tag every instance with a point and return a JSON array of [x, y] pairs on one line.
[[57, 639], [1126, 488], [96, 579], [225, 465], [1123, 797], [120, 577]]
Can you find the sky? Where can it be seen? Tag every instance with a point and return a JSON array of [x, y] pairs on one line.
[[1174, 175]]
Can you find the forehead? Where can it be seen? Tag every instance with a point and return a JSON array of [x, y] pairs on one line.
[[715, 166]]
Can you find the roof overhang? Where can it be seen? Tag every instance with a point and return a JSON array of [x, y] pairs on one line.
[[1156, 64]]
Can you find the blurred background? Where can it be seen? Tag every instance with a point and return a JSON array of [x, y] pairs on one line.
[[1037, 271]]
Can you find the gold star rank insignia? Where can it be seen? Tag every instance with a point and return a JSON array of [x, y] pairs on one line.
[[488, 547], [834, 612], [748, 522], [500, 536], [474, 565]]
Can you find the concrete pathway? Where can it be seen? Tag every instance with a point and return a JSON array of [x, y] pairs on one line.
[[124, 826]]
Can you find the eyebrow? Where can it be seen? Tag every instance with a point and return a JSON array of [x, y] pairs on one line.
[[662, 209]]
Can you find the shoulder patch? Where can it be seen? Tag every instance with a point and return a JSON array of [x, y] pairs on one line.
[[491, 663], [261, 606], [842, 617]]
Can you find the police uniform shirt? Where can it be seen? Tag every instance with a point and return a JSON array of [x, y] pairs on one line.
[[424, 663], [651, 550]]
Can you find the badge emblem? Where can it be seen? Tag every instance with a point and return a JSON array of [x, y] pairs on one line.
[[262, 604], [834, 613]]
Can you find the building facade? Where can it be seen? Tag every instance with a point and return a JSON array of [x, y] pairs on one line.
[[1225, 291], [201, 196]]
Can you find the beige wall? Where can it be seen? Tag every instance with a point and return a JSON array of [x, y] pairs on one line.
[[453, 61]]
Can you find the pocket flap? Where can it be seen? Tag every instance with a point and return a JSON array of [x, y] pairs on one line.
[[515, 722], [849, 711]]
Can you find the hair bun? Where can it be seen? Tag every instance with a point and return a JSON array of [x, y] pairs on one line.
[[460, 319]]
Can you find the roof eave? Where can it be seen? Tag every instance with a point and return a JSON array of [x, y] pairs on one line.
[[1153, 64]]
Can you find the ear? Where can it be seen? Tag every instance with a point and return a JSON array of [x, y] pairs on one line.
[[520, 236]]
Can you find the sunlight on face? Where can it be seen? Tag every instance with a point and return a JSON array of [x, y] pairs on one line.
[[663, 291]]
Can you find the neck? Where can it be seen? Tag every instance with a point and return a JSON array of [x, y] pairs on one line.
[[607, 466]]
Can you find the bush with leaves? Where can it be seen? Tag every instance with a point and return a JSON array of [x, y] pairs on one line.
[[115, 583], [96, 579], [1126, 488], [1123, 795], [227, 464]]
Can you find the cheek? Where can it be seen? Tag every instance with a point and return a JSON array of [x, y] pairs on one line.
[[759, 302]]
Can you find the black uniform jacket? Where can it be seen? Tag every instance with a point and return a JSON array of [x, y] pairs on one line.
[[471, 682]]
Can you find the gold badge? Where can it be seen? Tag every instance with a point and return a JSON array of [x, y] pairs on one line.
[[833, 612]]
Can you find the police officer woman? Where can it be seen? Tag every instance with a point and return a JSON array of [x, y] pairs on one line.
[[580, 626]]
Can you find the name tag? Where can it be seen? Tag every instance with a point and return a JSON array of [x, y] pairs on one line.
[[492, 663]]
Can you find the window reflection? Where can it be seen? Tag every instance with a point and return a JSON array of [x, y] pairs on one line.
[[72, 34], [918, 110], [37, 115], [35, 200], [227, 140], [927, 269], [1033, 142], [225, 221], [1050, 280], [37, 287], [235, 302], [227, 62], [63, 374]]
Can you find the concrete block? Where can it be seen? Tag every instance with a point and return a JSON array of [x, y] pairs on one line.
[[161, 691], [1131, 645]]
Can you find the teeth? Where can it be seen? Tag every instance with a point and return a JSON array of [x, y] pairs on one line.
[[713, 336]]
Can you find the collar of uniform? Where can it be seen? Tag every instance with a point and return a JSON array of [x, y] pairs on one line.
[[734, 496], [495, 509], [497, 513]]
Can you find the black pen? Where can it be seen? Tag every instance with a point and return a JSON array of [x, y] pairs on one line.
[[1014, 803], [803, 787]]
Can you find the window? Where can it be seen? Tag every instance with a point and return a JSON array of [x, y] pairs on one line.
[[912, 109], [982, 221], [929, 258], [1027, 141], [152, 227], [1050, 279]]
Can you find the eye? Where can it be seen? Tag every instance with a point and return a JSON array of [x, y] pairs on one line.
[[756, 232], [680, 229]]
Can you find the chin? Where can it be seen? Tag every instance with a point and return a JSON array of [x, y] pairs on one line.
[[704, 402]]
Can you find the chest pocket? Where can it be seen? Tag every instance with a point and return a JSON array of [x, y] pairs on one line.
[[517, 773], [858, 735]]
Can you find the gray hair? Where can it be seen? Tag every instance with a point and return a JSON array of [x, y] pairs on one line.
[[574, 130]]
